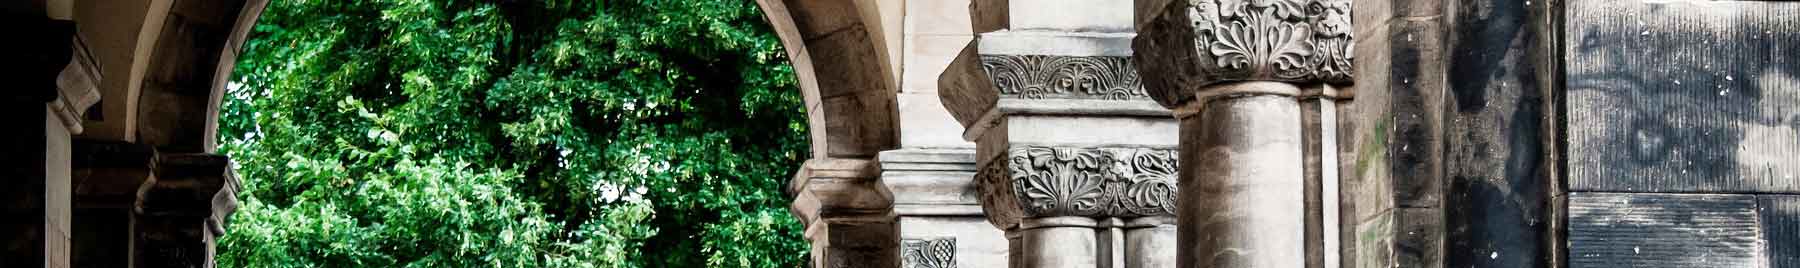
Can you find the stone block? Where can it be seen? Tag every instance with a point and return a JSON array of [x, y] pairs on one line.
[[927, 57], [925, 124], [866, 128], [1419, 237], [1047, 130], [817, 17], [1373, 242], [1416, 108], [1688, 97], [1781, 227], [938, 17], [1070, 15], [1664, 230], [855, 64], [1370, 16]]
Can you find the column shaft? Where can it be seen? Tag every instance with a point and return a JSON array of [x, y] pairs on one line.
[[1058, 242], [1150, 243], [1242, 201]]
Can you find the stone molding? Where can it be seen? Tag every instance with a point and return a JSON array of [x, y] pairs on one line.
[[1197, 43], [928, 253], [1043, 72], [837, 186], [1064, 77], [1042, 181], [77, 86]]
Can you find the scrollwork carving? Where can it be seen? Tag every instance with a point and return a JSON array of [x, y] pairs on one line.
[[1114, 182], [928, 253], [1068, 77], [1276, 40]]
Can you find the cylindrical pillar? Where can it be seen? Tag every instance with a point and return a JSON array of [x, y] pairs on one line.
[[1242, 201], [1149, 241], [1058, 242]]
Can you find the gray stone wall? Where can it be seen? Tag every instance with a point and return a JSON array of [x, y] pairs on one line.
[[1682, 139]]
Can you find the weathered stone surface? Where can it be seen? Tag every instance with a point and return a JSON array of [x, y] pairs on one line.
[[181, 80], [1392, 139], [1683, 96], [1150, 243], [855, 242], [849, 90], [1781, 228], [1498, 189], [1664, 230], [1241, 165]]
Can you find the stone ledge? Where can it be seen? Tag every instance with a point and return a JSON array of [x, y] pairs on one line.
[[918, 159], [831, 186]]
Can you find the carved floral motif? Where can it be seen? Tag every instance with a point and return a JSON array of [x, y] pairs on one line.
[[928, 253], [1282, 40], [1113, 182], [1047, 76]]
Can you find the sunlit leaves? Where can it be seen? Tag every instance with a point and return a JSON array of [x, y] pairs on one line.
[[559, 133]]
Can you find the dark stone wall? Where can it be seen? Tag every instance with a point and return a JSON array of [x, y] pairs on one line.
[[1498, 186]]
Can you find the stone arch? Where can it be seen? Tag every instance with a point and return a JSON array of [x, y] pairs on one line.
[[844, 74]]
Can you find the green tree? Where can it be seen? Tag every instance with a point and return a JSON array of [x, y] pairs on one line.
[[557, 133]]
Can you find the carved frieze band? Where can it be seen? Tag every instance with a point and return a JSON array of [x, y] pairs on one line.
[[1064, 77], [1098, 182], [1273, 40], [928, 253]]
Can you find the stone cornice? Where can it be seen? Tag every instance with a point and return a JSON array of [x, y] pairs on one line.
[[1085, 69], [1041, 181], [77, 87], [1197, 43], [825, 186]]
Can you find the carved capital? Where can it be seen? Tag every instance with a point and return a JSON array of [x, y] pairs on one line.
[[1039, 181], [928, 253], [1196, 43]]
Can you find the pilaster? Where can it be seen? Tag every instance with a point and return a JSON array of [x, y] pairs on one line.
[[1077, 163], [1255, 85]]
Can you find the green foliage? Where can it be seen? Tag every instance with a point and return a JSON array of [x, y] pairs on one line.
[[558, 133]]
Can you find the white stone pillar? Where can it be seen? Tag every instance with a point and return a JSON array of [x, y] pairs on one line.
[[1252, 191], [1076, 162]]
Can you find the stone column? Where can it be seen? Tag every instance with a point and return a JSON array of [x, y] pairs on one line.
[[848, 213], [51, 83], [1233, 71], [180, 210], [1077, 164]]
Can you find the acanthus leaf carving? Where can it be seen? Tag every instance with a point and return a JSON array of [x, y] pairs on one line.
[[1064, 77], [1275, 40], [1113, 182]]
